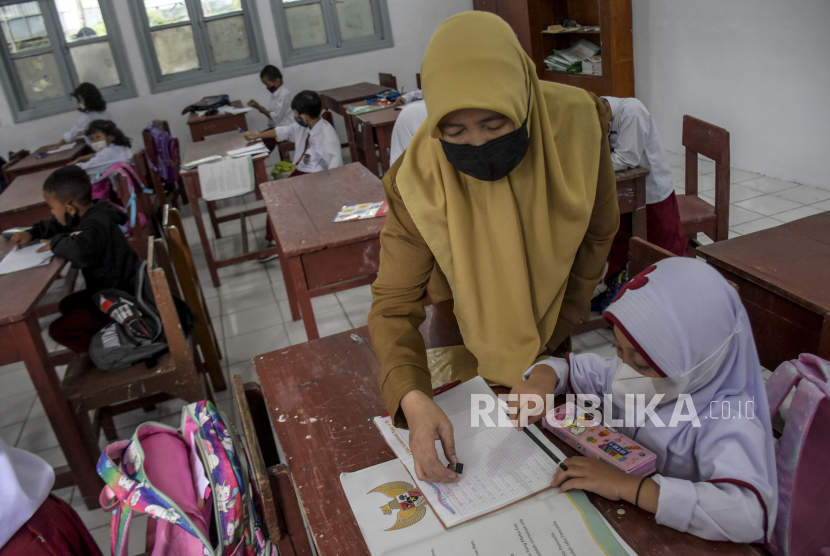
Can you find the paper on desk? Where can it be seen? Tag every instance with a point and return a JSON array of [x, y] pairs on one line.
[[66, 147], [257, 148], [234, 110], [226, 178], [394, 519], [501, 464], [25, 257]]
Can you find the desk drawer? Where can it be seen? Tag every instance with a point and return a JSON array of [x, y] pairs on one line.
[[330, 266]]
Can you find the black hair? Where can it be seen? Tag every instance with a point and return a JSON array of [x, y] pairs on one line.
[[93, 99], [109, 128], [308, 103], [68, 184], [271, 73]]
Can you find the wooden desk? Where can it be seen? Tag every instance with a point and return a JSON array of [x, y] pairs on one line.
[[334, 380], [783, 277], [221, 146], [202, 126], [22, 204], [32, 163], [21, 340], [335, 99], [370, 129], [319, 256]]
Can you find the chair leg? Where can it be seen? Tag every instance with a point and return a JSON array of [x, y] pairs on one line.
[[105, 421], [211, 206]]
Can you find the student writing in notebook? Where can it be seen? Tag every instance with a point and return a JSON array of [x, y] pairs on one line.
[[92, 106], [278, 110], [681, 331], [110, 146]]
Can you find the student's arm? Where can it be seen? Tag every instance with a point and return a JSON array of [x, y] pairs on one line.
[[82, 248], [285, 132], [47, 228], [632, 134], [85, 158], [76, 132], [254, 104], [332, 156], [589, 262]]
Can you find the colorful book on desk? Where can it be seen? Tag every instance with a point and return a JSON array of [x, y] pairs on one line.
[[357, 110], [502, 466], [362, 212]]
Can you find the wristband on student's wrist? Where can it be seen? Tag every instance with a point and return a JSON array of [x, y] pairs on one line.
[[637, 498]]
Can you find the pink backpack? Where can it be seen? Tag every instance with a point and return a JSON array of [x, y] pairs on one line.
[[104, 188], [802, 526]]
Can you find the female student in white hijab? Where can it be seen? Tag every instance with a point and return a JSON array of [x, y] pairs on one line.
[[681, 331], [92, 106], [33, 521]]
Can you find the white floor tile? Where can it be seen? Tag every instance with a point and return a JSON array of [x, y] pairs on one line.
[[738, 176], [11, 433], [242, 322], [332, 323], [37, 435], [757, 225], [676, 159], [738, 215], [16, 409], [214, 306], [802, 212], [738, 193], [53, 456], [245, 370], [768, 185], [296, 332], [678, 173], [805, 195], [358, 314], [325, 304], [355, 296], [15, 384], [239, 300], [247, 346], [733, 234], [705, 166], [823, 206], [768, 205]]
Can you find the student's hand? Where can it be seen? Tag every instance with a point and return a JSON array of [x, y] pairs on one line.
[[250, 135], [254, 104], [45, 247], [541, 382], [428, 423], [400, 101], [20, 238], [594, 475]]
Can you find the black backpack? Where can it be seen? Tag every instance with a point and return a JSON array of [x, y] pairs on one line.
[[208, 103], [136, 334]]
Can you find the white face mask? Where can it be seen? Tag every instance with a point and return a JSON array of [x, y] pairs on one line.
[[629, 381], [82, 107], [98, 146]]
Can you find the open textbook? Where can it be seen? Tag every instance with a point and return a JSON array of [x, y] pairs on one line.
[[227, 177], [394, 520], [501, 464]]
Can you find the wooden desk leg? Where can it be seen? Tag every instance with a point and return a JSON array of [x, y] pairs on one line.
[[352, 139], [191, 180], [383, 136], [639, 226], [211, 206], [367, 136], [74, 436], [196, 133], [298, 281]]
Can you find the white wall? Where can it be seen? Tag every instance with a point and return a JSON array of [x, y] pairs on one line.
[[412, 26], [756, 68]]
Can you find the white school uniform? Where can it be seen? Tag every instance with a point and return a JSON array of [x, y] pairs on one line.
[[106, 158], [79, 129], [25, 482], [412, 96], [635, 141], [409, 120], [279, 108], [315, 149]]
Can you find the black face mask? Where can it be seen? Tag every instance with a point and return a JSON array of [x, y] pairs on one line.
[[300, 121], [494, 159]]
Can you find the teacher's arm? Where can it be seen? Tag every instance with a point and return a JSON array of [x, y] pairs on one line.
[[589, 263]]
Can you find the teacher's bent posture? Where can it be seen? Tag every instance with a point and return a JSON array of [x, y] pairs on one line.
[[505, 201]]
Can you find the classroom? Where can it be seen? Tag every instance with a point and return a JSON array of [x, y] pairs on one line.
[[376, 277]]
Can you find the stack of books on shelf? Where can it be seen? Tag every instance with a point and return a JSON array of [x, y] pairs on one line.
[[571, 59]]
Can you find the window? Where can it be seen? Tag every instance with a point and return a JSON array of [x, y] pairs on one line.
[[194, 41], [49, 47], [316, 29]]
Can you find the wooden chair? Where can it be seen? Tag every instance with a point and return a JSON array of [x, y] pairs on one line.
[[418, 79], [281, 511], [13, 159], [165, 192], [388, 80], [203, 332], [175, 376], [697, 215]]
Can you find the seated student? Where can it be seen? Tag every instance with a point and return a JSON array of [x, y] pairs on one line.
[[33, 521], [635, 141], [92, 106], [86, 233], [110, 146], [279, 105], [411, 96], [681, 331], [409, 120]]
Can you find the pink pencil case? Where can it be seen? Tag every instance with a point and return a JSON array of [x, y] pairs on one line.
[[570, 423]]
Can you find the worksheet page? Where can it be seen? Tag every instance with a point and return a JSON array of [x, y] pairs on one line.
[[226, 178]]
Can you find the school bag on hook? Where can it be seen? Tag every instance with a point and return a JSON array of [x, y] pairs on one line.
[[802, 457], [194, 481]]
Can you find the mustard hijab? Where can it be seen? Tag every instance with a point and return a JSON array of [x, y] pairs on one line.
[[505, 247]]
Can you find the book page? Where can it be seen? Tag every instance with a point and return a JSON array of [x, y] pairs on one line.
[[25, 257], [501, 464], [226, 178]]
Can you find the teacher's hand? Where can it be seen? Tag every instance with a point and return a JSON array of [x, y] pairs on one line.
[[428, 423]]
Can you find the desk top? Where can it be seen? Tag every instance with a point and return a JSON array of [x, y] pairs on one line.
[[21, 291], [25, 192], [351, 93], [32, 162], [378, 118], [334, 380], [219, 145], [791, 260], [631, 173], [194, 119], [302, 208]]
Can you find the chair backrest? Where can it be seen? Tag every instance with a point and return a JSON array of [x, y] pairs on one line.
[[388, 80], [642, 254], [418, 79], [139, 236], [152, 178], [711, 141]]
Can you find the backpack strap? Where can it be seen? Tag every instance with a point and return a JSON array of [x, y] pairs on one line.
[[147, 310], [780, 384]]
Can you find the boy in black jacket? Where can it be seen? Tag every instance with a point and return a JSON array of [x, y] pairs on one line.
[[85, 233]]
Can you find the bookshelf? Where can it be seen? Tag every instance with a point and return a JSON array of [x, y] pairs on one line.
[[530, 19]]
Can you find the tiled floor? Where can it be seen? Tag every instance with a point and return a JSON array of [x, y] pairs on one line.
[[251, 315]]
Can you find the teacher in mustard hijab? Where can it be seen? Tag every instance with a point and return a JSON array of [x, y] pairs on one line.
[[505, 201]]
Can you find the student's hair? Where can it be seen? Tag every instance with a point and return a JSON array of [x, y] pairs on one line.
[[271, 73], [70, 183], [109, 128], [93, 99], [308, 103]]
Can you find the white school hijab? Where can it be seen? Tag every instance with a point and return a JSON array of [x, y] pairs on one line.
[[25, 482]]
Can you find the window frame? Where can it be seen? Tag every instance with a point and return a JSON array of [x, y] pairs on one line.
[[209, 71], [22, 110], [335, 46]]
